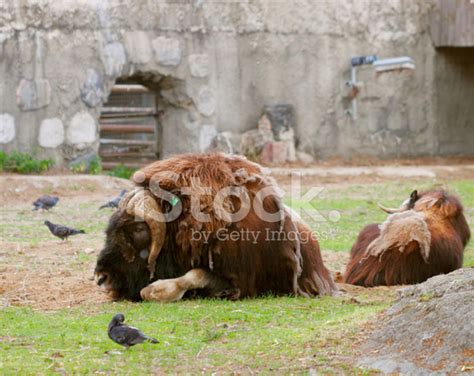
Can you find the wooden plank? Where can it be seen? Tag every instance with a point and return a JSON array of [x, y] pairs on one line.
[[128, 110], [452, 23], [111, 116], [127, 89], [111, 165], [126, 154], [115, 141], [127, 128]]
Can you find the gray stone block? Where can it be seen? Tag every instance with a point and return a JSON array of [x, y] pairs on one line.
[[82, 130], [51, 133], [7, 128], [199, 65], [33, 94], [205, 101], [114, 59], [167, 51], [137, 45], [92, 90]]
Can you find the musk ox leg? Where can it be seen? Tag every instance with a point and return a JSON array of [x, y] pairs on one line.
[[171, 290]]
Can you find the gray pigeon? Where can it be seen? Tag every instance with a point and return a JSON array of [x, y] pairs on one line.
[[126, 335], [45, 202], [114, 203], [61, 231]]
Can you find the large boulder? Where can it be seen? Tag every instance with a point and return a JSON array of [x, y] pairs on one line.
[[428, 331]]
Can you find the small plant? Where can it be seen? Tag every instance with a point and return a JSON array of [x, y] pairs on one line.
[[23, 163], [93, 166], [122, 171]]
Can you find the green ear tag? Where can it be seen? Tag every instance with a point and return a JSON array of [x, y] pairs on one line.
[[174, 200]]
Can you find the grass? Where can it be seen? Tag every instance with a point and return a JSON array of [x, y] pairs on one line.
[[269, 334], [205, 335], [23, 163], [121, 171]]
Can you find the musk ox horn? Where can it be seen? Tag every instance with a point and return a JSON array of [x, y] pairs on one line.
[[390, 210], [141, 203]]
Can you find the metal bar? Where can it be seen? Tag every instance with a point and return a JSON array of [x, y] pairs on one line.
[[127, 128], [126, 89], [111, 165], [125, 154], [128, 110], [114, 141]]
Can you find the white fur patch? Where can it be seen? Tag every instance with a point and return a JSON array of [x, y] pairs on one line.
[[400, 229]]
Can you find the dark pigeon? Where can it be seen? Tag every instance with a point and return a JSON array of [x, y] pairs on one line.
[[45, 202], [62, 232], [114, 203], [126, 335]]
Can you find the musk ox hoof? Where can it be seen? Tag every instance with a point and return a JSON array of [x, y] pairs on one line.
[[166, 290]]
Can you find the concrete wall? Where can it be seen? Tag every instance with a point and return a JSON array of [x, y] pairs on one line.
[[216, 64]]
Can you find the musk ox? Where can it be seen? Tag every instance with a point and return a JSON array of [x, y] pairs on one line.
[[208, 225], [425, 237]]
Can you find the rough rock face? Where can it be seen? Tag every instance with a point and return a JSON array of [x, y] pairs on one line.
[[429, 330]]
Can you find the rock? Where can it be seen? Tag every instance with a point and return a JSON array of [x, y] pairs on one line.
[[226, 142], [199, 65], [205, 101], [206, 137], [114, 59], [82, 164], [252, 142], [7, 128], [167, 51], [92, 90], [281, 117], [33, 94], [288, 136], [82, 129], [428, 330], [274, 153], [304, 157], [138, 47], [51, 133]]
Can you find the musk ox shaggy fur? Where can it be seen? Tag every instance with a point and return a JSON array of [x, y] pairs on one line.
[[425, 237], [181, 232]]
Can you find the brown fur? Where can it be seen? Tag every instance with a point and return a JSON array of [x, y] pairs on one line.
[[394, 264], [234, 268]]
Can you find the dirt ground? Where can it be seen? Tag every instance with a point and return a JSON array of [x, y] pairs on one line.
[[43, 272]]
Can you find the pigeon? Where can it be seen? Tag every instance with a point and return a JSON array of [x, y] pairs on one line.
[[126, 335], [45, 202], [61, 231], [114, 203]]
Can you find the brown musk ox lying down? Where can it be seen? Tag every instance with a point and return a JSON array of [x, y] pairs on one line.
[[425, 237], [209, 225]]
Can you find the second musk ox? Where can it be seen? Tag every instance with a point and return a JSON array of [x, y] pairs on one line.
[[425, 237], [194, 239]]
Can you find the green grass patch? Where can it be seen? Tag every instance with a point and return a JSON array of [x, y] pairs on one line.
[[199, 335], [23, 163], [122, 171]]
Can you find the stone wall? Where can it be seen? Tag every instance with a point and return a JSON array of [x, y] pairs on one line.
[[216, 64]]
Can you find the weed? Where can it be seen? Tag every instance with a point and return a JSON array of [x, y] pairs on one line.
[[23, 163], [122, 171]]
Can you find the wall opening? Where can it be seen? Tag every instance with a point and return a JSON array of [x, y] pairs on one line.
[[142, 110]]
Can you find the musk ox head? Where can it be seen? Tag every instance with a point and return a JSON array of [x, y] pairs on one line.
[[134, 238], [122, 264], [437, 203]]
